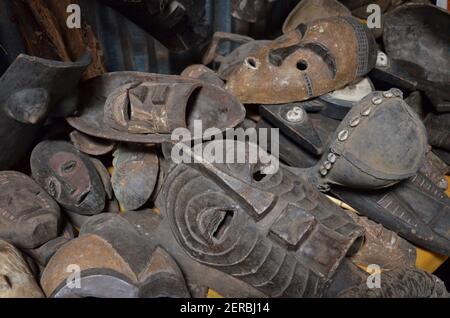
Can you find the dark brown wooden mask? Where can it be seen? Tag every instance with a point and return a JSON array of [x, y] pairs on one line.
[[29, 217], [69, 176], [273, 232]]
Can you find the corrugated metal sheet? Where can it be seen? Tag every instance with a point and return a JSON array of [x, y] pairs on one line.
[[127, 47]]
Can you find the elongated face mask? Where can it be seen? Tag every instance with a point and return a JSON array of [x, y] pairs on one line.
[[271, 231], [147, 108], [310, 61]]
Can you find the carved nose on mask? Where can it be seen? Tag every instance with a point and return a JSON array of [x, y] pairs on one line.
[[293, 227], [67, 187], [28, 106], [38, 229]]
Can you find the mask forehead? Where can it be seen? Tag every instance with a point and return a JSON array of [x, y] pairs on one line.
[[252, 166], [66, 165]]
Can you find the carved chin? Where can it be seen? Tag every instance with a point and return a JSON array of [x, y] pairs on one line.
[[91, 204]]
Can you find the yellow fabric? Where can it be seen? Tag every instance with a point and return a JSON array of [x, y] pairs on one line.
[[448, 189], [429, 261], [156, 210], [111, 170], [213, 294]]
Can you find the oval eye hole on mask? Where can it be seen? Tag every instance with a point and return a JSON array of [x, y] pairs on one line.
[[259, 175], [302, 27], [127, 111], [226, 217], [68, 166], [302, 65], [251, 62], [214, 222], [263, 171]]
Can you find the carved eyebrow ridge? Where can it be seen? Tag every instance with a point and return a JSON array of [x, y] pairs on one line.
[[277, 56], [325, 54]]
